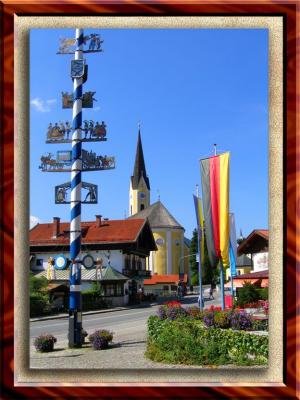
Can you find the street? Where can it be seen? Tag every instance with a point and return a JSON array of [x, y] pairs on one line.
[[128, 347]]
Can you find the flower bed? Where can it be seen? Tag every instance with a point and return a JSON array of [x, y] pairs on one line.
[[188, 341], [213, 317]]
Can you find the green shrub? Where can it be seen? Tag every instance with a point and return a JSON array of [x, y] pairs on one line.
[[91, 300], [37, 284], [260, 324], [247, 294], [44, 343], [39, 304], [187, 341], [263, 293]]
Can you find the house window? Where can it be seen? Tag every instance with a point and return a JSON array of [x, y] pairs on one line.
[[166, 287], [114, 289]]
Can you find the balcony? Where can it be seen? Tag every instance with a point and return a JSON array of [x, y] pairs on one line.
[[142, 273]]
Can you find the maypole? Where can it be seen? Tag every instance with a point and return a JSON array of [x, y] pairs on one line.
[[76, 161], [75, 307]]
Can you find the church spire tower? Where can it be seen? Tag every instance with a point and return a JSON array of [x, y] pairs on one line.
[[139, 193]]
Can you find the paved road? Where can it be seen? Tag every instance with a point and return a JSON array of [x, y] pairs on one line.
[[127, 351]]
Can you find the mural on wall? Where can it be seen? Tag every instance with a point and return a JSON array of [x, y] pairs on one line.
[[260, 261]]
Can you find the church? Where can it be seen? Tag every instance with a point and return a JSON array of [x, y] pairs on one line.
[[171, 256]]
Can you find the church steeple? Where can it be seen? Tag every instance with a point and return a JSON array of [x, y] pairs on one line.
[[139, 195], [139, 169]]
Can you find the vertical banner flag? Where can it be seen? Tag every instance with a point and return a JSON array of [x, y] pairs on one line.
[[232, 245], [200, 223], [215, 190]]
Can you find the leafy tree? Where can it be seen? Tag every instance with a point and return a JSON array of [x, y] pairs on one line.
[[192, 259], [37, 284], [209, 273], [39, 296]]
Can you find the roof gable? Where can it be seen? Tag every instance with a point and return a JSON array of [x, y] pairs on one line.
[[257, 241], [158, 216], [111, 274]]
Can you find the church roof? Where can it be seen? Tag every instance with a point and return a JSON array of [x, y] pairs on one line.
[[139, 169], [158, 216]]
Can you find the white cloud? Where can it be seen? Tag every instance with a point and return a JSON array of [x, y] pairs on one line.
[[34, 221], [42, 105]]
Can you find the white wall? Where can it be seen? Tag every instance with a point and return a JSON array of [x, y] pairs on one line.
[[116, 258]]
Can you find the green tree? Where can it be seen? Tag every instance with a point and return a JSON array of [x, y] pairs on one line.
[[37, 284], [192, 259], [209, 273], [39, 296]]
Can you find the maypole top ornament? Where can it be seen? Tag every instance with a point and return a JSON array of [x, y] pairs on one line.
[[92, 42]]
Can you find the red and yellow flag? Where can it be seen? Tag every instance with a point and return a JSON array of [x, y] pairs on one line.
[[215, 188]]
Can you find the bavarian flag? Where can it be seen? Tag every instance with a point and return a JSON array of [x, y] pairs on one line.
[[215, 192]]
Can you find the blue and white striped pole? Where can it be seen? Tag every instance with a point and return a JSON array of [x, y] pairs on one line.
[[75, 306]]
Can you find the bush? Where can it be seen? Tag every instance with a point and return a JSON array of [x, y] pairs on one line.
[[247, 294], [189, 342], [260, 324], [39, 304], [263, 293], [91, 300], [100, 339], [44, 342]]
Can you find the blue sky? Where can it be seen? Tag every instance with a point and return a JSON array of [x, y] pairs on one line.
[[189, 88]]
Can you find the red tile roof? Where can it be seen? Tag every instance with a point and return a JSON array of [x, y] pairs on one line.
[[164, 279], [112, 231], [254, 275]]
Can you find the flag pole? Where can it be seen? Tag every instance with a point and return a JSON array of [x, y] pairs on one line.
[[200, 233], [222, 284]]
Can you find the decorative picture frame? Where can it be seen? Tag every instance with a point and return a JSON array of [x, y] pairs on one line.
[[16, 377]]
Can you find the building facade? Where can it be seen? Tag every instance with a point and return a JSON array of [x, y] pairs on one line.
[[121, 245]]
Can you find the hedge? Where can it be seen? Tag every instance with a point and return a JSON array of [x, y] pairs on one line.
[[184, 341]]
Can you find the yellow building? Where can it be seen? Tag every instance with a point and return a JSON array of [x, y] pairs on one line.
[[171, 256], [243, 266]]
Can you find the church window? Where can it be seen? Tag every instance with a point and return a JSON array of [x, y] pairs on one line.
[[142, 207]]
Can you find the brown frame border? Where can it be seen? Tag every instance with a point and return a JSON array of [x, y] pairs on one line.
[[290, 12]]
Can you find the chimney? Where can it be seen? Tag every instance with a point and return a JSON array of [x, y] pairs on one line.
[[56, 226], [98, 220]]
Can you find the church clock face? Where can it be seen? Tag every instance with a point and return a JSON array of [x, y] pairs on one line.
[[160, 241], [142, 195]]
